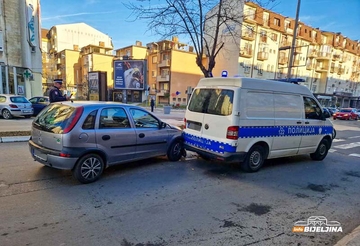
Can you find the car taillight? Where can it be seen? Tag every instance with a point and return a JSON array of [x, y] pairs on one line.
[[64, 155], [13, 106], [232, 132], [184, 123], [73, 119]]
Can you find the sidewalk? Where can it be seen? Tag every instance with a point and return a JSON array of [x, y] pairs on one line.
[[352, 239], [176, 117]]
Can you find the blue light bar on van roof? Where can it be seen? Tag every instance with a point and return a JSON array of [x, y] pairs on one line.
[[224, 73]]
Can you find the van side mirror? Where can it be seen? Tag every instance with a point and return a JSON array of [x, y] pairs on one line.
[[326, 114]]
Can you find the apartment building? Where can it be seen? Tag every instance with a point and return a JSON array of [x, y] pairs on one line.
[[327, 61], [20, 48], [72, 51]]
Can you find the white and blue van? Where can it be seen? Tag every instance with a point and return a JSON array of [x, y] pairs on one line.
[[250, 120]]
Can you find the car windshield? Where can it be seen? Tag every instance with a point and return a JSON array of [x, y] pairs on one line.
[[54, 118], [19, 100], [345, 110], [212, 101]]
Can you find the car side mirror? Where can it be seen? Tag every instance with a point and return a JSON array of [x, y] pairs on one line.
[[326, 114]]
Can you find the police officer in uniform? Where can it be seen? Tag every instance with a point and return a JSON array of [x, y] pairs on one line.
[[55, 93]]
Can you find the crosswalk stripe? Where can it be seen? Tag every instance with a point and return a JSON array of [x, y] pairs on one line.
[[354, 137], [356, 155], [338, 140], [348, 146], [332, 150]]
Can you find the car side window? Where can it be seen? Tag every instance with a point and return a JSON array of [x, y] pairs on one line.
[[89, 122], [113, 118], [42, 100], [143, 119], [2, 99], [312, 109], [33, 100]]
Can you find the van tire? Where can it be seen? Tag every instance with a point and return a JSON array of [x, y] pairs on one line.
[[175, 150], [83, 166], [321, 150], [254, 159]]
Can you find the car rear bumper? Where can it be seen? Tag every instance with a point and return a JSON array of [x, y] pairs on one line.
[[50, 157], [226, 156], [18, 112]]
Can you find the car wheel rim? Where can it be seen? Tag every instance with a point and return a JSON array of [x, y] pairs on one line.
[[91, 168], [6, 114], [322, 149], [177, 149], [255, 159]]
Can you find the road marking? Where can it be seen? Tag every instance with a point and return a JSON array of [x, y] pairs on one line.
[[332, 150], [348, 146], [356, 155], [354, 137], [338, 140]]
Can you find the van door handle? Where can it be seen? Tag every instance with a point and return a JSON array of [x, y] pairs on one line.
[[141, 135], [298, 122], [105, 137], [307, 122]]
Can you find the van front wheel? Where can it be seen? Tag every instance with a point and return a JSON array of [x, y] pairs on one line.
[[254, 159], [321, 151]]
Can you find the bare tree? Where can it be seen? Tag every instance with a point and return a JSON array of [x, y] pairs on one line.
[[207, 23]]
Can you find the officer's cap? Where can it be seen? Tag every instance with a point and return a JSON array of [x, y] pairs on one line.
[[58, 81]]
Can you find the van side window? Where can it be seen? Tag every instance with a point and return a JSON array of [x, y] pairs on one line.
[[288, 106], [89, 122], [312, 109], [114, 118]]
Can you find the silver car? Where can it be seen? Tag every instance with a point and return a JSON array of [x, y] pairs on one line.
[[87, 137], [14, 106]]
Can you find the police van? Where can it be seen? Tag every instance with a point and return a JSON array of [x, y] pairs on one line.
[[249, 120]]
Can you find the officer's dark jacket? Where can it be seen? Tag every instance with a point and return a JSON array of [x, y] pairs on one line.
[[55, 95]]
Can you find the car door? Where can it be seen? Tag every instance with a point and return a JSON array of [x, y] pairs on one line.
[[151, 140], [35, 105], [314, 126], [115, 136]]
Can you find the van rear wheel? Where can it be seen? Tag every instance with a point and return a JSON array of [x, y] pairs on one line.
[[321, 151], [254, 159], [89, 168]]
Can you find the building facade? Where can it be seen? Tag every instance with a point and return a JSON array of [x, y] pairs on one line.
[[20, 48]]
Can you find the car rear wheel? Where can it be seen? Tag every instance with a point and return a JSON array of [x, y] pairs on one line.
[[89, 168], [175, 150], [6, 114], [28, 116], [321, 151], [254, 159]]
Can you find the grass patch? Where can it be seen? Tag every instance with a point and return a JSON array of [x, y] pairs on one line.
[[15, 133]]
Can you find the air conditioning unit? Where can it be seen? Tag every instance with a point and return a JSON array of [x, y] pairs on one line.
[[242, 64]]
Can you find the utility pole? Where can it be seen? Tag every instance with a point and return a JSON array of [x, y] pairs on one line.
[[293, 41]]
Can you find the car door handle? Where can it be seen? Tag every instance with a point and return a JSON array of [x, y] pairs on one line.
[[307, 122], [298, 122], [141, 135], [105, 137]]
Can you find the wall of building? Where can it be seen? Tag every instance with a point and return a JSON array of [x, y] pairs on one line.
[[104, 63]]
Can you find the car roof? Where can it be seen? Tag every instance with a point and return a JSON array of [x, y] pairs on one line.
[[95, 103]]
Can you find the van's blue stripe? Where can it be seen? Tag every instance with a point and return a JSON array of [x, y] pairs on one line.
[[256, 132]]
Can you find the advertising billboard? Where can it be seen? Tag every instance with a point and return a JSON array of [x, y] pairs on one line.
[[130, 74], [94, 86]]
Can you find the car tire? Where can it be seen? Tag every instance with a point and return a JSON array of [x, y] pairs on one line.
[[6, 114], [334, 133], [254, 160], [28, 116], [175, 150], [89, 168], [321, 151]]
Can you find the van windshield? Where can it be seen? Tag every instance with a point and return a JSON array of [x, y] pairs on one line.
[[54, 118], [212, 101]]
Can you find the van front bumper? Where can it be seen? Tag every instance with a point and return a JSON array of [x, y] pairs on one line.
[[50, 157], [226, 156]]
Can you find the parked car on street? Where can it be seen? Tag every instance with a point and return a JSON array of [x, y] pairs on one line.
[[346, 114], [332, 110], [87, 137], [358, 113], [15, 106], [39, 103]]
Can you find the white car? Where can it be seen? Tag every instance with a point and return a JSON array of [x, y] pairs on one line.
[[14, 105]]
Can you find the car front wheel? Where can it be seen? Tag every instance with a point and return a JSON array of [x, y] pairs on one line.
[[254, 159], [89, 168], [175, 150], [6, 114]]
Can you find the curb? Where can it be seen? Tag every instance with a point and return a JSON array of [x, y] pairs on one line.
[[14, 139], [351, 239]]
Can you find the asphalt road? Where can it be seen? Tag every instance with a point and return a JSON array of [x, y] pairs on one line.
[[192, 202]]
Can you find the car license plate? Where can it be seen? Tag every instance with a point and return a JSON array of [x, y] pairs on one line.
[[39, 155], [26, 111]]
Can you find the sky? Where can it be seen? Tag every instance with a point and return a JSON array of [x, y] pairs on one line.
[[114, 19]]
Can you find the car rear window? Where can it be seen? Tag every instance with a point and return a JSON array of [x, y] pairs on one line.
[[19, 100], [212, 101], [54, 118]]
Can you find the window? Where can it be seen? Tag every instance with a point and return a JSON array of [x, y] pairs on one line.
[[274, 37], [154, 59], [33, 100], [276, 22], [89, 122], [212, 101], [312, 109], [2, 99], [153, 73], [113, 118], [259, 108], [174, 99], [143, 119], [287, 106], [19, 100]]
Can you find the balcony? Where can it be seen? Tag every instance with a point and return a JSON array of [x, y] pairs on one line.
[[309, 66], [341, 70], [262, 56], [334, 69], [343, 58], [164, 63], [163, 78], [283, 60], [296, 62], [250, 18], [246, 52], [336, 57], [323, 56], [321, 68], [248, 36], [312, 53], [289, 30], [298, 50], [162, 93], [285, 44]]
